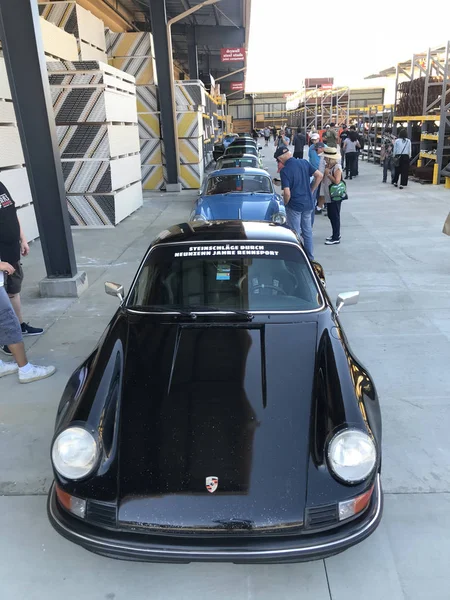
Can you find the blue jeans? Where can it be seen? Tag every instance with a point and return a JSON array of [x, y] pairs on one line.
[[301, 223]]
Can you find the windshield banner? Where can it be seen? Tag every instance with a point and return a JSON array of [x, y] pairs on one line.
[[227, 250]]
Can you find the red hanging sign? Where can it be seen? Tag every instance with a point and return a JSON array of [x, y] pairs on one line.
[[237, 86], [232, 54]]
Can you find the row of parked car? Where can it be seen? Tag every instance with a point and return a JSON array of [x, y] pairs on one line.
[[239, 187], [222, 415]]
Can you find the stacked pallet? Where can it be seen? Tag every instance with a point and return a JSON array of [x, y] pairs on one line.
[[88, 30], [13, 173], [133, 53], [96, 124], [190, 100]]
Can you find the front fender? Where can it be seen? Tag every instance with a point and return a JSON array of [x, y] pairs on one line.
[[92, 399]]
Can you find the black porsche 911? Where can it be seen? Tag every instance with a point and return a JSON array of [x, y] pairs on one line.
[[222, 416]]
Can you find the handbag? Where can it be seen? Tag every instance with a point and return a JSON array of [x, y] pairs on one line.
[[396, 158], [338, 191]]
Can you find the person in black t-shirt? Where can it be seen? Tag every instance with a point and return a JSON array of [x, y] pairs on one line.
[[12, 245]]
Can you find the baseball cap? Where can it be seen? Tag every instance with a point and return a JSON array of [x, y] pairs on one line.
[[280, 151], [320, 145], [315, 136]]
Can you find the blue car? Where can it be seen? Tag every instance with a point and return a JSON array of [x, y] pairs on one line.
[[244, 193]]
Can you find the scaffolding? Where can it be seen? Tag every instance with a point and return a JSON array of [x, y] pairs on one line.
[[314, 108], [370, 122], [423, 108]]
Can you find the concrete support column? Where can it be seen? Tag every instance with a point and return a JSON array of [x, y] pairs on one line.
[[163, 58], [21, 38]]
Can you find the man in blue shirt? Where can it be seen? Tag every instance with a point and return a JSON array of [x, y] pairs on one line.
[[298, 194]]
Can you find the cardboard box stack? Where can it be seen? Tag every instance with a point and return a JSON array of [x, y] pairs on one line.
[[88, 30], [96, 123]]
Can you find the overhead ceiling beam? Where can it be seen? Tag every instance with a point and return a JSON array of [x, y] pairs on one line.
[[217, 36]]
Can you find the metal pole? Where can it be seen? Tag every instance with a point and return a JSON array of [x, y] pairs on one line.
[[444, 113], [20, 32], [232, 73], [164, 69], [192, 53]]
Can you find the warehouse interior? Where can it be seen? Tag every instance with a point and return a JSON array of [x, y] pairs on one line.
[[125, 119]]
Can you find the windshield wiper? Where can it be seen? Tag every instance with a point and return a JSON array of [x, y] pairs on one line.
[[223, 309], [166, 309], [196, 308]]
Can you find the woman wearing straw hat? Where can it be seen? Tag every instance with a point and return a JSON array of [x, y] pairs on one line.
[[332, 174]]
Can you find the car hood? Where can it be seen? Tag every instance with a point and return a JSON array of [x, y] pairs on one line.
[[248, 207], [231, 401]]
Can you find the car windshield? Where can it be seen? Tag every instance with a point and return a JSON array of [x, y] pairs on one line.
[[241, 149], [236, 162], [233, 184], [250, 276]]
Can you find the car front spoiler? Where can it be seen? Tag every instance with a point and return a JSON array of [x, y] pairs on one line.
[[142, 547]]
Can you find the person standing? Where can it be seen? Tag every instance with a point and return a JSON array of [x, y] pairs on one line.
[[402, 152], [299, 143], [288, 133], [13, 244], [330, 137], [11, 337], [255, 135], [342, 137], [281, 141], [274, 133], [332, 174], [298, 194], [318, 197], [313, 157], [351, 146], [386, 153], [266, 133]]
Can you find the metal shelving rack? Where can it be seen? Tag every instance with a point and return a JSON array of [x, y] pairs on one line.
[[370, 122], [433, 147], [313, 108]]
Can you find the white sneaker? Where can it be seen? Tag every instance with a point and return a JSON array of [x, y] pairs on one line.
[[36, 373], [8, 368]]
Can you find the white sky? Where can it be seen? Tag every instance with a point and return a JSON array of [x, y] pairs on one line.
[[339, 40]]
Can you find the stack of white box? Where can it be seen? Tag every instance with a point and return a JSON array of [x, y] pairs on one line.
[[89, 31], [13, 173], [134, 54], [96, 119]]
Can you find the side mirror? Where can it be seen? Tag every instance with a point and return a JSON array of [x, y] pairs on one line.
[[346, 299], [319, 272], [114, 289]]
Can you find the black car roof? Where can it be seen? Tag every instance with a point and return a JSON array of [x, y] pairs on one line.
[[200, 231]]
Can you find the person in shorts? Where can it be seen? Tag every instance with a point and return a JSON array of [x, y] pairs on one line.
[[11, 336], [13, 245]]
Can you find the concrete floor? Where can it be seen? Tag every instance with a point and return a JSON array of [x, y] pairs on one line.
[[393, 251]]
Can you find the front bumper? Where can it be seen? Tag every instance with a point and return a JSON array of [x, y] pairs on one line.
[[268, 549]]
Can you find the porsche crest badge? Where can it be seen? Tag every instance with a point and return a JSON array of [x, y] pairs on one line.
[[212, 483]]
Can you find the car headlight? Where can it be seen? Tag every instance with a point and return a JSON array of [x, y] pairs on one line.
[[198, 218], [74, 453], [352, 455], [279, 218]]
